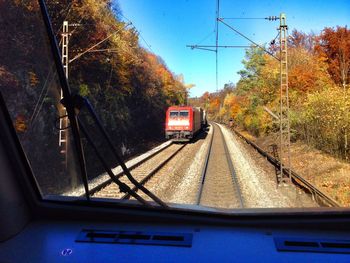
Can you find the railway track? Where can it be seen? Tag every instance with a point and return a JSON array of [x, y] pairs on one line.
[[219, 186], [142, 172], [321, 198]]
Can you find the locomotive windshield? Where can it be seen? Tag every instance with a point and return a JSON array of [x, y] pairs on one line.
[[183, 114], [174, 114], [270, 112]]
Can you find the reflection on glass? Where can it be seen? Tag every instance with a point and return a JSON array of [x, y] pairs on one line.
[[31, 90]]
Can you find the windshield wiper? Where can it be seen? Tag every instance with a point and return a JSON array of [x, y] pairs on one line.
[[70, 104], [66, 95], [81, 102]]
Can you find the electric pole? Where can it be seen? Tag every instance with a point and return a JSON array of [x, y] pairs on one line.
[[63, 131], [283, 118], [217, 43], [285, 159]]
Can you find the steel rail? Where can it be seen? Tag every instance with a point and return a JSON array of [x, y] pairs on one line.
[[154, 171], [204, 170], [232, 170], [102, 185], [121, 185], [80, 101], [320, 197]]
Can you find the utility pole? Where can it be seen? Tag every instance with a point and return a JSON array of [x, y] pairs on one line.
[[283, 118], [217, 42], [64, 121], [285, 159], [63, 132]]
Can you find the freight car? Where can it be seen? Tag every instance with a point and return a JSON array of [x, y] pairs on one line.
[[182, 123]]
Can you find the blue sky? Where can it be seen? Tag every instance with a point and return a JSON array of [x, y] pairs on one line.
[[169, 25]]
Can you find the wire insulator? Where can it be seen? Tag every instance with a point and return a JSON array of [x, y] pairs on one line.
[[272, 18]]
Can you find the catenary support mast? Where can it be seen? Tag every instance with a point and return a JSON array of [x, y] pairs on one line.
[[285, 158], [63, 132]]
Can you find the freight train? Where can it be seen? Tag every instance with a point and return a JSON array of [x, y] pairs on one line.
[[182, 123]]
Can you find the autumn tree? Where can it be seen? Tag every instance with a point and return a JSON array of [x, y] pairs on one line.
[[334, 47], [299, 39], [129, 86]]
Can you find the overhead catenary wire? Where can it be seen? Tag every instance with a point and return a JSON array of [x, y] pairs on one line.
[[218, 19], [144, 40], [114, 50], [42, 92], [197, 46], [243, 18], [206, 37], [271, 18], [273, 40], [69, 7], [65, 18], [139, 33], [98, 43], [220, 46], [41, 99], [202, 48], [242, 35], [104, 50]]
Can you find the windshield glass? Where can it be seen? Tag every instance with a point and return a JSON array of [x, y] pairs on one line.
[[30, 87], [183, 113], [270, 109], [174, 114]]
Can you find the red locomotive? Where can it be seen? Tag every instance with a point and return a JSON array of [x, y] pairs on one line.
[[183, 122]]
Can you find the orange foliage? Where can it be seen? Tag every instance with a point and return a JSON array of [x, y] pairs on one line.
[[205, 96], [7, 79], [214, 105], [232, 104], [28, 4], [33, 79], [334, 46], [20, 123], [307, 72]]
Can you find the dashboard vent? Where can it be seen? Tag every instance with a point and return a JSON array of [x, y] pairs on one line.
[[312, 245], [137, 238]]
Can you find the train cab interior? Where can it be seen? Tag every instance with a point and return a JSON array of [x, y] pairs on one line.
[[39, 226]]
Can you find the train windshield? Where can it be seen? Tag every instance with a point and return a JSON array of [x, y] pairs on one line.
[[270, 112], [184, 113], [174, 114], [30, 86]]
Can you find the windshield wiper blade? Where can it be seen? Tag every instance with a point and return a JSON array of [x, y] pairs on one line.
[[69, 102], [122, 186], [66, 94], [79, 103]]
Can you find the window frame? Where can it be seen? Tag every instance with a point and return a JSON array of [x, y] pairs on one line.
[[81, 209]]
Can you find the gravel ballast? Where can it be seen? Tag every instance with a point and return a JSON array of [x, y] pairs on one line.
[[258, 185]]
